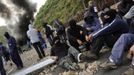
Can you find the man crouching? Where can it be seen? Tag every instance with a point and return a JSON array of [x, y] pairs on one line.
[[67, 55]]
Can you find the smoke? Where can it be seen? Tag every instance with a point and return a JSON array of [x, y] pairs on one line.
[[18, 14], [4, 11]]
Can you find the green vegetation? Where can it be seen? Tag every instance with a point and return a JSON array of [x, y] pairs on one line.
[[62, 9], [3, 29]]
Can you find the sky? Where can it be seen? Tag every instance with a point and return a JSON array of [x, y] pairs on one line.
[[39, 4]]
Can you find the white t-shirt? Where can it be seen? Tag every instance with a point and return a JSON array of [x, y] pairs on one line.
[[32, 34]]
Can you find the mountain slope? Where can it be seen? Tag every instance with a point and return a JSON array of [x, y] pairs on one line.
[[62, 9]]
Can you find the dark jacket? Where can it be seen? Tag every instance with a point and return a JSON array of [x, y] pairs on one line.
[[48, 31], [12, 44], [116, 27]]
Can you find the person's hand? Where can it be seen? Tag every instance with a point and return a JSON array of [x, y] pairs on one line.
[[80, 42], [131, 52], [81, 32], [89, 37], [89, 29]]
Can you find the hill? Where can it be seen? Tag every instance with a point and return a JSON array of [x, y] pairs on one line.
[[62, 9], [2, 30]]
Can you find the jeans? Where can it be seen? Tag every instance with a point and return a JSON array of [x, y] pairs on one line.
[[123, 43]]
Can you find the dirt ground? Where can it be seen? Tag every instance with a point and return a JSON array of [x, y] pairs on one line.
[[87, 68], [29, 58]]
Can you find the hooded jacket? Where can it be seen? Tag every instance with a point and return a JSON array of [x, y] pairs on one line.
[[32, 34]]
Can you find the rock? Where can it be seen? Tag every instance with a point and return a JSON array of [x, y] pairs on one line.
[[92, 68]]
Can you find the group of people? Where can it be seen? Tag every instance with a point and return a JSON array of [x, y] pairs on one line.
[[12, 54], [78, 43], [115, 32]]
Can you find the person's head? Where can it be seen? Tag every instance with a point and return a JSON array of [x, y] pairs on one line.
[[6, 34], [90, 3], [38, 31], [88, 17], [72, 23], [130, 13], [44, 24], [110, 15]]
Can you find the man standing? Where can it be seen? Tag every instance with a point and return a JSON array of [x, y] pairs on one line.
[[34, 39], [49, 33], [60, 30], [13, 50]]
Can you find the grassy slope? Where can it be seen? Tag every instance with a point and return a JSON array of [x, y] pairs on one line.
[[62, 9], [2, 30]]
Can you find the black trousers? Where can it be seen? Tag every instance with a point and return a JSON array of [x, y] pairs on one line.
[[16, 58], [2, 70], [39, 49], [99, 42]]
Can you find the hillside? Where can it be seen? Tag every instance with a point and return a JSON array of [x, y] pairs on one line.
[[2, 30], [62, 9]]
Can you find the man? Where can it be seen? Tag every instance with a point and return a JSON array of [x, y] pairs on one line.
[[60, 29], [67, 55], [108, 34], [76, 34], [92, 8], [2, 70], [13, 50], [49, 33], [125, 42], [34, 39]]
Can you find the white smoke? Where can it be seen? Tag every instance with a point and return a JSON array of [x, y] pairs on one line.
[[12, 22], [18, 14]]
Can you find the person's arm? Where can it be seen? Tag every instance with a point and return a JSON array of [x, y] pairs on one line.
[[97, 24], [28, 36], [112, 27]]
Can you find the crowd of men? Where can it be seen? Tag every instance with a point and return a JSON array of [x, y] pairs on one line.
[[78, 43]]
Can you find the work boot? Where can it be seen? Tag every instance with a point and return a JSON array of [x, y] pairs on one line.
[[108, 65], [81, 57], [130, 71], [78, 57]]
